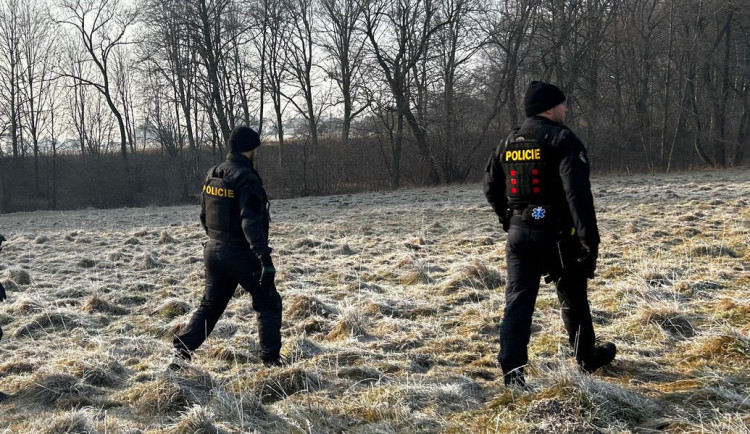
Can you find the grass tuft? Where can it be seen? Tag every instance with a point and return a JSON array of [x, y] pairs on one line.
[[475, 275], [674, 323], [76, 421], [171, 394], [283, 383], [351, 323], [302, 306], [173, 308], [196, 420], [49, 322], [18, 275], [96, 304], [165, 238], [62, 390]]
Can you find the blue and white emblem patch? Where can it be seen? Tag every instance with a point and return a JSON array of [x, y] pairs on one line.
[[538, 213]]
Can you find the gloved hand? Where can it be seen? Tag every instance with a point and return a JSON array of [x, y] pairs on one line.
[[587, 259], [267, 275]]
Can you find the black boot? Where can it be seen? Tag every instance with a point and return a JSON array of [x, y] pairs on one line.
[[180, 357], [274, 360], [515, 379], [603, 354]]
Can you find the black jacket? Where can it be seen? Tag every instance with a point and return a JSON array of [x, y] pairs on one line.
[[241, 214], [575, 199]]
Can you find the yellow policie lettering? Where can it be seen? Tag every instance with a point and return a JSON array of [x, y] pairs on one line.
[[218, 192], [523, 155]]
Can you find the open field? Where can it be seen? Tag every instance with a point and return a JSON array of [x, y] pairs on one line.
[[392, 306]]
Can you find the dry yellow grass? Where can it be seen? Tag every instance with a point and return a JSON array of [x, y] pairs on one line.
[[392, 309]]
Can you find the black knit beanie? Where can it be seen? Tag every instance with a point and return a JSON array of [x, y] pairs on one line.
[[243, 139], [541, 96]]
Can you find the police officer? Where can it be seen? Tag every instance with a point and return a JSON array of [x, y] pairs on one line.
[[537, 182], [234, 214]]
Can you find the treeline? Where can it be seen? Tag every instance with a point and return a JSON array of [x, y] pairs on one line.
[[113, 102]]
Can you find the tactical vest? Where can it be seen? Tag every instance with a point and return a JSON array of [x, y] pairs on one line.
[[532, 182], [223, 218]]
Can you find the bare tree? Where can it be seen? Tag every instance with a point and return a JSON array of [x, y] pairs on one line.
[[209, 36], [650, 17], [456, 45], [163, 122], [37, 45], [259, 39], [721, 94], [10, 69], [299, 50], [743, 93], [274, 22], [389, 133], [124, 77], [345, 47], [52, 106], [699, 72], [168, 51], [101, 27], [240, 67], [399, 32], [511, 27], [77, 103]]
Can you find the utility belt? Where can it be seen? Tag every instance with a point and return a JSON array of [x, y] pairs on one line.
[[536, 216], [227, 237]]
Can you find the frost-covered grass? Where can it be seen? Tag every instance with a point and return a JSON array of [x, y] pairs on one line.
[[392, 307]]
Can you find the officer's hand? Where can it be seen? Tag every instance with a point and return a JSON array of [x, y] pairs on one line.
[[268, 274], [506, 224], [2, 293], [267, 279], [587, 260]]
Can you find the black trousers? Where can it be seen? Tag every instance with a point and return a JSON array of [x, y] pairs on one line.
[[229, 264], [532, 253]]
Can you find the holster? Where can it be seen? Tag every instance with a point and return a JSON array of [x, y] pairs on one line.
[[506, 219], [568, 251]]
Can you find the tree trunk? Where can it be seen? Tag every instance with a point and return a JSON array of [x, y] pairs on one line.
[[720, 147], [54, 163], [697, 121], [397, 145], [667, 86]]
